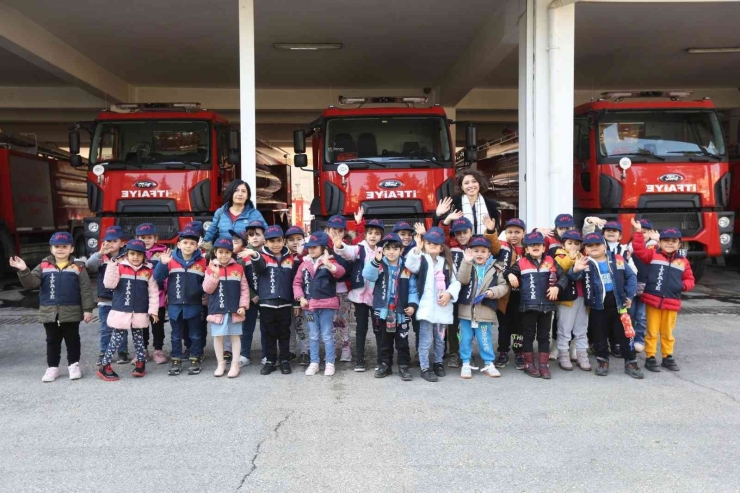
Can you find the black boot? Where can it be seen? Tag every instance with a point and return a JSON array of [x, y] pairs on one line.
[[439, 369], [501, 360], [519, 361], [405, 373], [651, 364], [633, 370], [175, 367], [669, 363], [428, 375], [305, 360], [194, 368], [139, 369], [383, 371], [267, 368], [602, 368], [285, 368]]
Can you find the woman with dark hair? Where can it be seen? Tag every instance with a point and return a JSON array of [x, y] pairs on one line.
[[237, 212], [470, 203]]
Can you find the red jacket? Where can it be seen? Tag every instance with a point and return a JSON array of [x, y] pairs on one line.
[[668, 275]]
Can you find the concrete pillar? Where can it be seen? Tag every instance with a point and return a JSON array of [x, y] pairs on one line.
[[546, 64], [247, 104]]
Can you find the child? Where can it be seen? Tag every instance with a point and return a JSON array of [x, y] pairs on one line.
[[508, 314], [394, 302], [314, 288], [294, 240], [254, 236], [98, 261], [276, 268], [361, 294], [337, 226], [572, 315], [197, 226], [135, 299], [541, 281], [405, 232], [147, 233], [65, 299], [184, 269], [610, 285], [637, 310], [480, 285], [438, 289], [669, 274], [228, 301]]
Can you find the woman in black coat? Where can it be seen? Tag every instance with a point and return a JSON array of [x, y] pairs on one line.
[[470, 203]]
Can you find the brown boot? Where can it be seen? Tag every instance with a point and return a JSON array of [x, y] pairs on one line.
[[529, 366], [545, 365]]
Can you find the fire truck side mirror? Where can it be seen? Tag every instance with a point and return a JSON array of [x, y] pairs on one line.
[[75, 160], [299, 142], [234, 148], [74, 142], [300, 160]]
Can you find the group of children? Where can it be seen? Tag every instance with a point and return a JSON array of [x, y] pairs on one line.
[[585, 290]]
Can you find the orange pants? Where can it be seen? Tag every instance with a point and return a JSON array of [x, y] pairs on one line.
[[660, 323]]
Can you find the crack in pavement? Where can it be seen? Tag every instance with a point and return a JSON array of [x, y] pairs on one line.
[[258, 450], [726, 394]]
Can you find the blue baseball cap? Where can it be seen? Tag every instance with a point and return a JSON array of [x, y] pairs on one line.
[[402, 226], [256, 224], [319, 238], [572, 235], [613, 225], [196, 226], [188, 233], [670, 233], [338, 222], [592, 238], [390, 238], [61, 238], [144, 229], [479, 241], [435, 235], [224, 242], [113, 233], [135, 246], [374, 223], [646, 223], [462, 224], [273, 232], [516, 223], [294, 230], [534, 238], [564, 221]]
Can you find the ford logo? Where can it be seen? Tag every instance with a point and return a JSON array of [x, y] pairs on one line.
[[390, 184], [145, 184], [671, 178]]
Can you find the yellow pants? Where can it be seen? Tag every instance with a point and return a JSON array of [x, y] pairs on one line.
[[660, 323]]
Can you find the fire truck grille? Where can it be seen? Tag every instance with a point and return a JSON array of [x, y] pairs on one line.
[[390, 222], [688, 222], [167, 227]]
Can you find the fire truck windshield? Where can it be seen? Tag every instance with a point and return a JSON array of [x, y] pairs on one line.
[[660, 135], [150, 144], [387, 141]]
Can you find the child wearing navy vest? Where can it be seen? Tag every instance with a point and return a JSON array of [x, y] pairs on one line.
[[315, 289], [609, 285], [637, 310], [510, 332], [254, 239], [540, 280], [97, 263], [337, 225], [135, 300], [275, 267], [481, 284], [228, 301], [184, 270], [65, 299], [147, 233], [295, 239], [395, 300]]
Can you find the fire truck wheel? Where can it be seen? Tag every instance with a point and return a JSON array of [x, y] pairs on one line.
[[697, 267]]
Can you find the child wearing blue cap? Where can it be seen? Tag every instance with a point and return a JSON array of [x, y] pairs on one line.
[[295, 240], [65, 299], [337, 227], [510, 333], [254, 240], [637, 310], [147, 233], [97, 263], [481, 284], [438, 290], [135, 301]]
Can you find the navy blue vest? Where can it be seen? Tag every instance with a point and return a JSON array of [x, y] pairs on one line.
[[535, 280], [276, 282], [422, 275], [594, 287], [60, 287], [226, 297], [643, 270], [665, 277], [457, 256], [357, 281], [382, 287], [322, 286], [185, 286], [132, 293], [468, 291], [103, 292]]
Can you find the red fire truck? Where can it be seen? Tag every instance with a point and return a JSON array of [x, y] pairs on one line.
[[168, 164], [655, 155], [732, 131], [39, 193], [396, 162]]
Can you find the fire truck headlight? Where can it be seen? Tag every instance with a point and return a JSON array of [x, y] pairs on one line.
[[724, 222], [92, 243], [93, 227], [725, 239]]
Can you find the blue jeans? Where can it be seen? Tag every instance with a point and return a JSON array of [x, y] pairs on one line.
[[248, 329], [639, 319], [428, 332], [321, 326], [193, 327], [485, 341], [106, 332]]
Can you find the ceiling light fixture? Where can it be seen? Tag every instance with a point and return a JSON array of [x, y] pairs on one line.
[[308, 46], [698, 51]]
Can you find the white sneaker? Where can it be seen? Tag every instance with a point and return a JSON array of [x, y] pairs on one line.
[[244, 361], [329, 370], [264, 360], [346, 354], [573, 352], [639, 347], [50, 375], [312, 369], [74, 371], [554, 351], [466, 371], [490, 370]]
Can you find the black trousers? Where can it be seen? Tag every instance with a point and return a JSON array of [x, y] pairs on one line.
[[158, 330], [537, 326], [362, 315], [605, 323], [417, 325], [69, 332], [510, 326], [275, 327], [400, 338]]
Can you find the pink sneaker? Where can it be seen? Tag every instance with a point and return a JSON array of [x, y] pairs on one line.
[[346, 354], [74, 371], [329, 370], [312, 369], [50, 375], [159, 357]]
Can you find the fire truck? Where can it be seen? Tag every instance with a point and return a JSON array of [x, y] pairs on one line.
[[40, 192], [385, 154], [732, 130], [169, 164]]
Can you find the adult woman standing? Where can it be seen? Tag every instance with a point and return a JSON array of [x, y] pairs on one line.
[[237, 212], [481, 211]]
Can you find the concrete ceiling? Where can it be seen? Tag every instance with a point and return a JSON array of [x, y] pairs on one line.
[[17, 71]]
